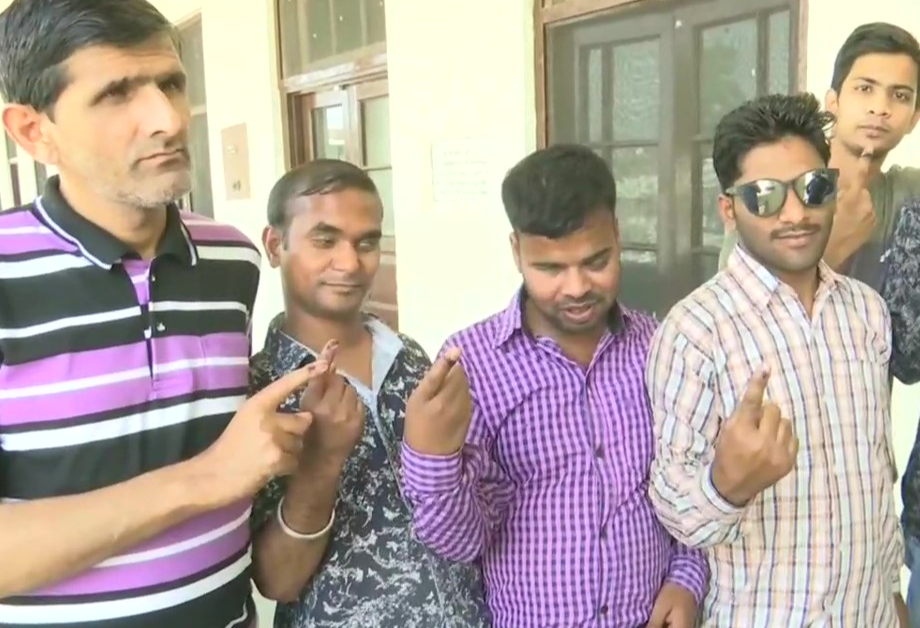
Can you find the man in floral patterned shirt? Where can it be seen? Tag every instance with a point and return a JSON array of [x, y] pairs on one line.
[[333, 542], [901, 290]]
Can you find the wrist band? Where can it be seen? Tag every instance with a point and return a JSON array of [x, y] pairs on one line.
[[294, 534]]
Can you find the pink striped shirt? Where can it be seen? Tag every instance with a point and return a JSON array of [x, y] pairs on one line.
[[823, 546]]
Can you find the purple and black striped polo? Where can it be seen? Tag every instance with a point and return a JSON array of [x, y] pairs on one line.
[[111, 367]]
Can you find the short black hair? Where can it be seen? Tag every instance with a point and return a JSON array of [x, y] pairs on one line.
[[767, 120], [552, 191], [874, 38], [322, 176], [38, 36]]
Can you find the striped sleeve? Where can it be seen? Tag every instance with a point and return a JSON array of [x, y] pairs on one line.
[[456, 499], [686, 424], [453, 510], [690, 570], [892, 531]]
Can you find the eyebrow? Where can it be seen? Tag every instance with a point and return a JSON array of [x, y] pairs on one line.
[[130, 83], [871, 81], [324, 228], [587, 260], [596, 256]]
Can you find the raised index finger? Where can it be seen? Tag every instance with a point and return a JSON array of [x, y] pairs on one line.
[[434, 379], [863, 165], [756, 388], [273, 395]]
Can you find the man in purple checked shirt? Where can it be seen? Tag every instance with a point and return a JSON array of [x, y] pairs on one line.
[[528, 445]]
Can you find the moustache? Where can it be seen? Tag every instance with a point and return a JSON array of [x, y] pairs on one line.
[[177, 148], [583, 302], [794, 231]]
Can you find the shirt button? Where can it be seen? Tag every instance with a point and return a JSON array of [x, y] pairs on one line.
[[604, 609], [603, 533], [599, 452]]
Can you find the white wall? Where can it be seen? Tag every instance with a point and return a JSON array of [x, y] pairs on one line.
[[469, 74]]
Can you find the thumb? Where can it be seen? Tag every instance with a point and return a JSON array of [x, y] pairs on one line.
[[659, 615], [295, 423], [315, 390], [434, 379], [304, 421], [269, 398], [752, 399]]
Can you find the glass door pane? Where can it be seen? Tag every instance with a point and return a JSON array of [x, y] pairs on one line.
[[198, 143], [742, 52], [779, 29], [375, 125], [375, 118], [375, 10], [709, 198], [728, 70], [41, 177], [373, 107], [616, 108], [329, 132], [13, 161]]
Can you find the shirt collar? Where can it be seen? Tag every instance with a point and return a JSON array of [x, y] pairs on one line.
[[760, 284], [288, 354], [99, 246], [512, 319]]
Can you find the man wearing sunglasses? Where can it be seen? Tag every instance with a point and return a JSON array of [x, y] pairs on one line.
[[769, 387], [873, 97]]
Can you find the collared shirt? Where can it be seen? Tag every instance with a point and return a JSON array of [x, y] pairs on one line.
[[549, 493], [111, 367], [822, 546], [375, 573], [901, 291]]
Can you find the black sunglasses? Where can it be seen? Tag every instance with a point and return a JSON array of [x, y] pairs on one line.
[[766, 197]]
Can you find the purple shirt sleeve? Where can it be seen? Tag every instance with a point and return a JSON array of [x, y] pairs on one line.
[[690, 570], [453, 499]]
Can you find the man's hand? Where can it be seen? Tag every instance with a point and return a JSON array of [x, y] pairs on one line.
[[901, 609], [756, 447], [438, 413], [338, 414], [260, 442], [854, 217], [675, 607]]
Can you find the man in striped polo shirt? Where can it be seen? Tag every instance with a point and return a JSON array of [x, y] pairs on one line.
[[128, 458]]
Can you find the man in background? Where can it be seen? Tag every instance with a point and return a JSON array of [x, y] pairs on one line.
[[873, 97]]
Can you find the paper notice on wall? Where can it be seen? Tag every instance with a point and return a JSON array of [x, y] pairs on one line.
[[462, 173]]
